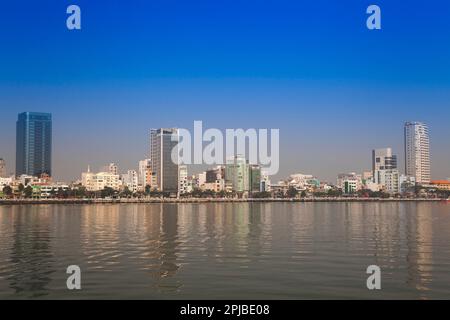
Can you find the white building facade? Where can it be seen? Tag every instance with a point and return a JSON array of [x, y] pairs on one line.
[[417, 152]]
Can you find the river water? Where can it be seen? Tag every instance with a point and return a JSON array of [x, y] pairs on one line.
[[226, 250]]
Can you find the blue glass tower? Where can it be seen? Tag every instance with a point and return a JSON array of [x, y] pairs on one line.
[[34, 144]]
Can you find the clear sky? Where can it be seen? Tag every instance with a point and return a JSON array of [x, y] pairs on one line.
[[310, 68]]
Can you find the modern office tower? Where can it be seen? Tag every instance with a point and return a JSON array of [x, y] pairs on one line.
[[383, 159], [163, 142], [34, 144], [236, 173], [254, 176], [2, 168], [417, 152]]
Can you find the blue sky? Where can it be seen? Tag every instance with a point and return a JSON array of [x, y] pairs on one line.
[[310, 68]]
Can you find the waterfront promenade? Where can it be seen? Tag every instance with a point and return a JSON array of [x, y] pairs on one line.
[[209, 200]]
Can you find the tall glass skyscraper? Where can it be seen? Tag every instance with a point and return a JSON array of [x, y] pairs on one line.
[[417, 151], [162, 142], [34, 144]]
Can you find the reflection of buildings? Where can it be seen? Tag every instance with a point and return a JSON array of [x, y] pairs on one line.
[[131, 239], [420, 247], [168, 240], [31, 258]]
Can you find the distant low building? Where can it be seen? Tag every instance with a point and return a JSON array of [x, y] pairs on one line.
[[98, 181], [406, 183], [182, 179], [349, 182], [130, 180], [5, 181], [389, 180], [441, 184], [303, 182], [216, 186], [265, 185]]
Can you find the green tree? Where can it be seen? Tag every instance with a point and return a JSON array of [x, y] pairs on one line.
[[7, 191], [197, 193], [126, 192], [335, 193], [81, 192], [261, 195], [292, 192], [108, 192], [28, 191], [222, 194]]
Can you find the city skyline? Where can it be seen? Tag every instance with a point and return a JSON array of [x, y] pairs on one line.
[[416, 148], [335, 89]]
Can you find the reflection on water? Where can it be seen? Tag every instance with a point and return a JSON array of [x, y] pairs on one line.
[[226, 251]]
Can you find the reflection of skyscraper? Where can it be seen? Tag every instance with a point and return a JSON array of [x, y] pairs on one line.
[[31, 258], [417, 151], [420, 247], [34, 144], [163, 141], [169, 241]]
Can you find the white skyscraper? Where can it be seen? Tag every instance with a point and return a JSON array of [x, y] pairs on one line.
[[417, 152]]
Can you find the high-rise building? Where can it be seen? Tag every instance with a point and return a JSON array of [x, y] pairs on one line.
[[254, 176], [237, 173], [2, 168], [34, 144], [383, 159], [162, 142], [417, 152]]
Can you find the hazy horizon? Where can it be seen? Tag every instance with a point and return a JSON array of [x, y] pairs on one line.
[[334, 89]]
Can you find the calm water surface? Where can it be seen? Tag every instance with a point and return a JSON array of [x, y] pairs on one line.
[[226, 251]]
